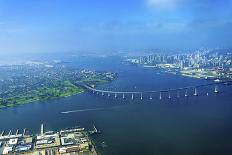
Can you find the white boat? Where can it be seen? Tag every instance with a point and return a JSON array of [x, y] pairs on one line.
[[217, 80]]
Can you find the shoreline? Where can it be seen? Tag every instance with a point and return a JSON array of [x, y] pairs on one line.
[[41, 142], [82, 90], [196, 76], [33, 101]]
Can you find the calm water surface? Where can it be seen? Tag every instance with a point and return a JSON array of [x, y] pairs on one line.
[[186, 126]]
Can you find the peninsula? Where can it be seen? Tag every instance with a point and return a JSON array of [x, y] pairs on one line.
[[39, 81]]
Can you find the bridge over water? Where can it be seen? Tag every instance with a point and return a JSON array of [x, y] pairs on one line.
[[169, 93]]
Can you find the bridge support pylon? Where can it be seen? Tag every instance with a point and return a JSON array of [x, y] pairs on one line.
[[169, 95], [216, 89], [186, 93], [195, 92], [160, 97]]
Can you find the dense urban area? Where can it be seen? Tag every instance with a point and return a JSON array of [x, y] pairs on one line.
[[205, 63], [31, 81], [68, 141]]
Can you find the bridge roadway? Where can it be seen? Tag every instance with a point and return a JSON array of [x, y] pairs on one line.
[[156, 91]]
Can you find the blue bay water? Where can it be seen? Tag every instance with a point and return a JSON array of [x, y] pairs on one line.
[[195, 126]]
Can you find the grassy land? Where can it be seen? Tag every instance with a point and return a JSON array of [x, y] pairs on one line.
[[95, 80], [64, 89]]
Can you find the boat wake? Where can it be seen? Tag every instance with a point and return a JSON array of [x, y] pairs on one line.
[[84, 110]]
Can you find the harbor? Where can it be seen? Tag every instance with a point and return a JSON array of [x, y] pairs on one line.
[[66, 141], [137, 126]]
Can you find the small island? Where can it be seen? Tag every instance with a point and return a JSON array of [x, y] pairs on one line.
[[40, 81]]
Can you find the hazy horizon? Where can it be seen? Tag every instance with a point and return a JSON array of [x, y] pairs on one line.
[[84, 25]]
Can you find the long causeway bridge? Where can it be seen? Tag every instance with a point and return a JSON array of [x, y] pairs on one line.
[[169, 93]]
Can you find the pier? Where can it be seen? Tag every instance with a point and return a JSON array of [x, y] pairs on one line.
[[2, 133], [24, 131], [69, 141], [17, 131], [10, 135]]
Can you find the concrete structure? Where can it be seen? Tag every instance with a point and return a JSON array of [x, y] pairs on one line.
[[150, 93], [13, 141], [69, 141]]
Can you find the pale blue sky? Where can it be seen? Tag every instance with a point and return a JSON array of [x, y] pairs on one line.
[[70, 25]]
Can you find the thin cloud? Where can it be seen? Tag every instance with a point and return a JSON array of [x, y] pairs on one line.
[[163, 4]]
